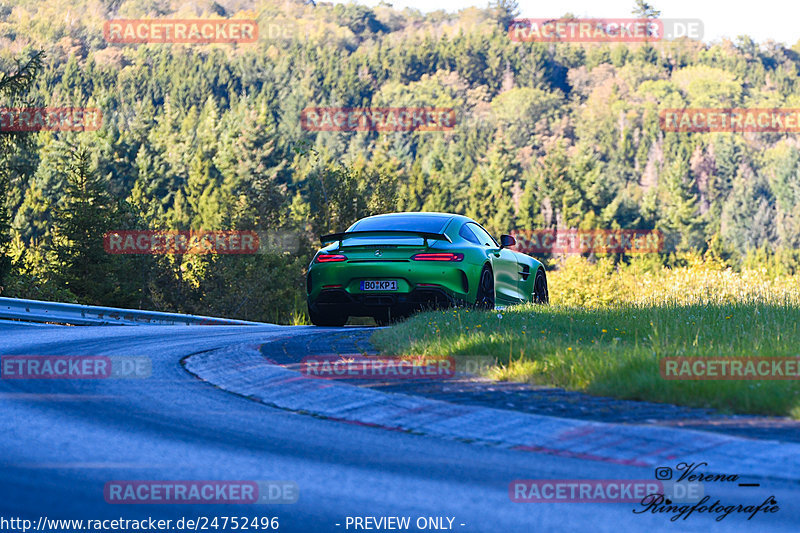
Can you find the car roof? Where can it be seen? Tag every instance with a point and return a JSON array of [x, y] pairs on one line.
[[446, 217], [414, 214]]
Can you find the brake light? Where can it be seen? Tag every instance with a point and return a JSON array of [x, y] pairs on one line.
[[438, 257], [330, 258]]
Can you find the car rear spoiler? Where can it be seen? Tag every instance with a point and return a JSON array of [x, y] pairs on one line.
[[333, 237]]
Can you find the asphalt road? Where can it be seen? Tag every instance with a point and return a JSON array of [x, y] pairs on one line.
[[62, 441]]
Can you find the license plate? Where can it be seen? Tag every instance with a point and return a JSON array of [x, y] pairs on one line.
[[379, 285]]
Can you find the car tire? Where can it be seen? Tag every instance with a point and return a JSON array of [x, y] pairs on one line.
[[540, 294], [485, 298], [328, 320]]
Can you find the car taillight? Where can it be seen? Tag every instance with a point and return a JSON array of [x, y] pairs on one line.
[[438, 257], [330, 258]]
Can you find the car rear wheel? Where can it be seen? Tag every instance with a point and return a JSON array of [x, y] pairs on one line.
[[485, 298], [324, 319], [540, 295]]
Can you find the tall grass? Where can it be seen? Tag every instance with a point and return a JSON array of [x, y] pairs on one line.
[[581, 283], [607, 329]]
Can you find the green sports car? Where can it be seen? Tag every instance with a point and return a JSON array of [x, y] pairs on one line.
[[388, 266]]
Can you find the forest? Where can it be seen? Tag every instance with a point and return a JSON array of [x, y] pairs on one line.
[[210, 137]]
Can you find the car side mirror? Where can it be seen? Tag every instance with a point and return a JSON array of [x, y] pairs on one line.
[[507, 241]]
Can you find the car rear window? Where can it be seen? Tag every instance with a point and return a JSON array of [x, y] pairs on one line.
[[430, 224], [384, 240]]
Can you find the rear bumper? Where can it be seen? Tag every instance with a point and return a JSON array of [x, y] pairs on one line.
[[377, 304], [336, 287]]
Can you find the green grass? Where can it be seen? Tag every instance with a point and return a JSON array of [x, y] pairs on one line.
[[616, 351]]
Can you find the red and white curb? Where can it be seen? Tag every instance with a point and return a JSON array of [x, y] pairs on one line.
[[245, 371]]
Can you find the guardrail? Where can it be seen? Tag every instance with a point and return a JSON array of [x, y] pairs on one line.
[[89, 315]]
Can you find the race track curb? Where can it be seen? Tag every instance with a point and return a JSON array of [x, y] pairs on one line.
[[245, 371]]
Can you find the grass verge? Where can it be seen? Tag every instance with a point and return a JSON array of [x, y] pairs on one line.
[[615, 351]]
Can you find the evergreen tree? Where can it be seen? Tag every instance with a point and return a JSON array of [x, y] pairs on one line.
[[13, 89], [679, 209], [259, 178], [87, 212]]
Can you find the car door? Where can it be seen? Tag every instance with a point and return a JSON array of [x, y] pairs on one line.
[[504, 263]]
